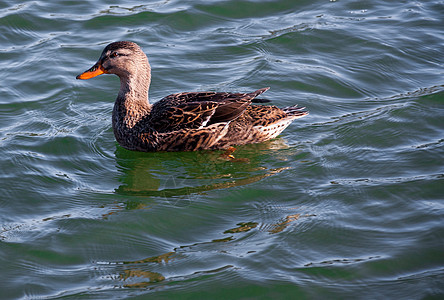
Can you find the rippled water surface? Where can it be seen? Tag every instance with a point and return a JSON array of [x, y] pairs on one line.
[[346, 203]]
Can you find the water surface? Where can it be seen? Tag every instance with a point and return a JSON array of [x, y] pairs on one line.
[[347, 202]]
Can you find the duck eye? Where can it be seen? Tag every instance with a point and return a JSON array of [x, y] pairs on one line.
[[114, 54]]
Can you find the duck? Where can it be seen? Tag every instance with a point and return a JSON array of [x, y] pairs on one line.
[[188, 121]]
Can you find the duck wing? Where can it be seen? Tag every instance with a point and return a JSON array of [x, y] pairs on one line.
[[199, 109]]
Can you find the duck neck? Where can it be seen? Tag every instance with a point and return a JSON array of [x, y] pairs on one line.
[[132, 102]]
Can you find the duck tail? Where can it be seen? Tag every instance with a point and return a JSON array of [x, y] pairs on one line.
[[295, 111]]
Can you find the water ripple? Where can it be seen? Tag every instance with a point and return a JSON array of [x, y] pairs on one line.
[[346, 202]]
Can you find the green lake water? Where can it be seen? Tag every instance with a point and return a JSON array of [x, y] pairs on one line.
[[348, 202]]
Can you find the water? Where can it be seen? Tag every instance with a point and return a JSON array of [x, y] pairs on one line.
[[347, 202]]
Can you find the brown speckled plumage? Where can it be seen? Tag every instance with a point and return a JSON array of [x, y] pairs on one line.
[[183, 121]]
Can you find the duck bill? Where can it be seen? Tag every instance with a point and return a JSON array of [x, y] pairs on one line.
[[95, 70]]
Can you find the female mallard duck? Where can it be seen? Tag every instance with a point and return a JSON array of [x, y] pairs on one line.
[[184, 121]]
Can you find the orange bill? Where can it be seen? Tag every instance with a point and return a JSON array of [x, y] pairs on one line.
[[96, 70]]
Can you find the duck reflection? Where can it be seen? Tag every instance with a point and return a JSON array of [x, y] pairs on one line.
[[177, 177], [180, 174], [140, 274], [153, 277], [147, 277]]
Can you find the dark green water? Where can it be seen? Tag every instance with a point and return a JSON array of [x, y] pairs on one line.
[[346, 203]]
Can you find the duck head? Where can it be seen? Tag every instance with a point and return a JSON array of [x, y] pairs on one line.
[[124, 59]]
